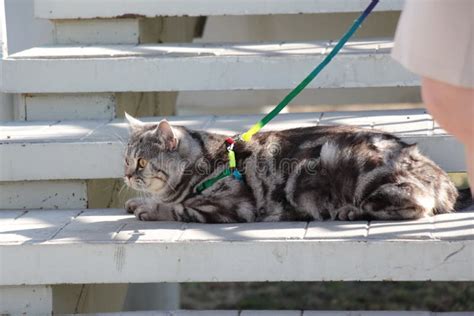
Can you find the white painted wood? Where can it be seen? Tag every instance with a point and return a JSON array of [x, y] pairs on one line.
[[337, 231], [21, 29], [93, 226], [270, 313], [204, 313], [236, 232], [134, 231], [170, 313], [6, 106], [218, 67], [279, 313], [89, 9], [122, 31], [408, 122], [6, 100], [372, 313], [7, 216], [141, 313], [229, 101], [388, 251], [94, 149], [410, 230], [447, 150], [34, 226], [91, 106], [43, 194], [453, 229], [26, 300]]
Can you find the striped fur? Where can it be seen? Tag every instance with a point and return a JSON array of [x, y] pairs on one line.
[[315, 173]]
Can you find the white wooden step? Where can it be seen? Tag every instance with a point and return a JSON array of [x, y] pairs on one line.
[[94, 149], [109, 246], [191, 67], [91, 9], [279, 313]]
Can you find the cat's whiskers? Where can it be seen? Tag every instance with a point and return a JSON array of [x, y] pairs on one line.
[[124, 186], [122, 141], [169, 184]]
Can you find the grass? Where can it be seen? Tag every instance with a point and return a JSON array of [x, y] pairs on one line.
[[432, 296]]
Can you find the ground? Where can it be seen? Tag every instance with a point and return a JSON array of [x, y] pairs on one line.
[[432, 296]]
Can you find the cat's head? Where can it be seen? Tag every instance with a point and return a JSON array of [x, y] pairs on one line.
[[151, 157]]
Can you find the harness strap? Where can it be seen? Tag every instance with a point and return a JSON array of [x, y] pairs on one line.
[[230, 171]]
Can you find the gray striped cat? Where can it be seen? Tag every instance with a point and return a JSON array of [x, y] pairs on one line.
[[314, 173]]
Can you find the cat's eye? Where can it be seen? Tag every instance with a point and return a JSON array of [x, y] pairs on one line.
[[142, 163]]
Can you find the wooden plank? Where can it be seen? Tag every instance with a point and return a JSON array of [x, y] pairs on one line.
[[92, 106], [35, 226], [170, 313], [200, 261], [52, 131], [248, 232], [90, 9], [459, 227], [270, 313], [337, 231], [445, 150], [220, 67], [93, 226], [26, 300], [73, 160], [411, 122], [411, 230], [43, 194], [371, 313], [97, 31], [408, 250], [233, 124], [204, 313], [279, 313], [79, 149]]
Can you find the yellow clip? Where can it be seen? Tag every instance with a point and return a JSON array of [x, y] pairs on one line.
[[252, 131], [232, 163]]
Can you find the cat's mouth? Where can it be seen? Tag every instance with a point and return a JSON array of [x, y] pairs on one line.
[[134, 183], [152, 184], [160, 178]]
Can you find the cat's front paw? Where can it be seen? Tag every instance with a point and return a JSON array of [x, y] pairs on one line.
[[149, 211], [132, 204], [146, 213], [347, 213]]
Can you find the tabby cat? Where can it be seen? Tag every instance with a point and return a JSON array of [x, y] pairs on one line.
[[313, 173]]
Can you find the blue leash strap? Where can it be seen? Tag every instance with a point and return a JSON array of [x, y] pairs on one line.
[[232, 170], [255, 128]]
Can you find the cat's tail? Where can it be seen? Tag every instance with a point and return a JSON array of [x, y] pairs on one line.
[[464, 199]]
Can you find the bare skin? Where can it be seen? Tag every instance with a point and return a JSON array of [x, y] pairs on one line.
[[453, 108]]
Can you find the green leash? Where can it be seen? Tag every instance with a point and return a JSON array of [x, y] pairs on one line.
[[247, 136]]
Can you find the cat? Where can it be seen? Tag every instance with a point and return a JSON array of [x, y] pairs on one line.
[[301, 174]]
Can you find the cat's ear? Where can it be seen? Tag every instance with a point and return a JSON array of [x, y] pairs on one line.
[[165, 130], [133, 122]]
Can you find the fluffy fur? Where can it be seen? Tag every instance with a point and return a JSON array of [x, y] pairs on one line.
[[315, 173]]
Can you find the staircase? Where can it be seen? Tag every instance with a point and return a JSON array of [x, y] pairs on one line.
[[69, 97]]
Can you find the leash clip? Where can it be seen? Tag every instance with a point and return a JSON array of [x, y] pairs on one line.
[[232, 161]]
